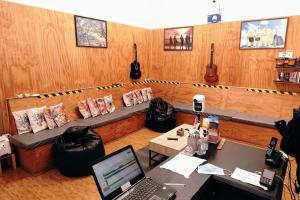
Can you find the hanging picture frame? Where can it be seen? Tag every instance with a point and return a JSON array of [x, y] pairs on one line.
[[264, 33], [178, 39], [90, 32]]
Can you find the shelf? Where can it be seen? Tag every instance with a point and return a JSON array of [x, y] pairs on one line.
[[287, 82], [289, 67]]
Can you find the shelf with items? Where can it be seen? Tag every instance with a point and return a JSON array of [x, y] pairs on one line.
[[287, 62], [288, 77], [288, 67], [288, 70], [287, 82]]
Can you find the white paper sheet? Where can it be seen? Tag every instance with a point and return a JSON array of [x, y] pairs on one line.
[[183, 164], [247, 177], [210, 169]]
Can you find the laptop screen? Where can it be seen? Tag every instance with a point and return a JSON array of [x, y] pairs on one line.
[[116, 172]]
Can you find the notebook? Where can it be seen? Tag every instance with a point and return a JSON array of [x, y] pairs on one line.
[[120, 176]]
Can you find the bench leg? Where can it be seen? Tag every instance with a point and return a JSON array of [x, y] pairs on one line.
[[13, 159]]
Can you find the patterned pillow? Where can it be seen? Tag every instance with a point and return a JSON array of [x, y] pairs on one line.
[[128, 99], [93, 107], [144, 94], [49, 119], [150, 94], [109, 103], [102, 106], [22, 122], [36, 119], [59, 114], [84, 109], [139, 96], [134, 97]]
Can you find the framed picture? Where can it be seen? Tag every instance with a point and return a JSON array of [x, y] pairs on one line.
[[90, 32], [178, 39], [265, 33]]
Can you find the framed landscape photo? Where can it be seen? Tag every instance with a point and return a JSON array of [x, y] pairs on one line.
[[265, 33], [178, 39], [90, 32]]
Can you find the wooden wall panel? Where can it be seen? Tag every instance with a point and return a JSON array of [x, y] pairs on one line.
[[38, 54], [241, 68]]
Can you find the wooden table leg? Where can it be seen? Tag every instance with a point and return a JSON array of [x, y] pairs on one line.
[[0, 168], [13, 159]]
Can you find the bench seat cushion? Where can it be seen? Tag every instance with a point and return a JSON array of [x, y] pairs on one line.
[[257, 120], [30, 140]]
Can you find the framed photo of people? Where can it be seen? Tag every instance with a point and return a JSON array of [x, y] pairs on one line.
[[90, 32], [178, 39], [264, 33]]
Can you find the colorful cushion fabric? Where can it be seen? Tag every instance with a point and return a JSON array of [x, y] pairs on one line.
[[134, 97], [109, 103], [102, 106], [22, 122], [93, 106], [139, 96], [128, 99], [144, 92], [36, 119], [150, 94], [49, 119], [84, 109], [59, 114]]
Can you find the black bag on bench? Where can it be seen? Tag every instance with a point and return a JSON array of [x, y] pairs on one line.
[[160, 116]]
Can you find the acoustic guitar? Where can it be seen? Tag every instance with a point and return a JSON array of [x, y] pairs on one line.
[[135, 72], [211, 75]]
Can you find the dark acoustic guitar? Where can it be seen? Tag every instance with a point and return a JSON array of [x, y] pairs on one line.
[[135, 72], [211, 75]]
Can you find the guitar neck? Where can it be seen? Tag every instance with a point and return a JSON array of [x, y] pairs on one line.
[[135, 51], [211, 54]]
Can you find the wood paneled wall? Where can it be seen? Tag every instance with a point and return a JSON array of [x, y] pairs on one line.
[[38, 54], [242, 68]]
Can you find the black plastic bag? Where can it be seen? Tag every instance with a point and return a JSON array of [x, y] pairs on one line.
[[161, 116]]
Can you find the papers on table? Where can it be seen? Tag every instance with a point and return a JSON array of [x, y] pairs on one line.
[[183, 164], [247, 177], [210, 169]]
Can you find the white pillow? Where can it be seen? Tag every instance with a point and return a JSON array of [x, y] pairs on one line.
[[37, 119], [109, 103], [22, 122]]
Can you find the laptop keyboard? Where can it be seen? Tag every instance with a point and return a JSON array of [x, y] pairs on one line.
[[145, 189]]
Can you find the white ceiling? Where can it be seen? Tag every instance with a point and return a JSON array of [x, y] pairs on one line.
[[169, 13]]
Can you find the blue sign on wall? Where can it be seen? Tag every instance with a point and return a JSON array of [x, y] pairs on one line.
[[214, 18]]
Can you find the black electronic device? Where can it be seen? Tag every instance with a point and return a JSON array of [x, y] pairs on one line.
[[170, 138], [271, 148], [267, 178]]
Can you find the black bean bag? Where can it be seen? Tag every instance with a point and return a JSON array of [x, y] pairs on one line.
[[75, 150], [160, 116]]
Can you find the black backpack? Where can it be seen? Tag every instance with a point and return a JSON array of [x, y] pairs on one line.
[[160, 116]]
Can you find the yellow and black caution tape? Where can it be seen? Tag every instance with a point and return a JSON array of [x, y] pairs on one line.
[[141, 82], [109, 86], [212, 86], [56, 94], [166, 82], [258, 90]]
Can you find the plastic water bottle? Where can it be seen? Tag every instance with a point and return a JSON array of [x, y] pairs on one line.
[[203, 144]]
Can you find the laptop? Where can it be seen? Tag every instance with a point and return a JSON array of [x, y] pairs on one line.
[[119, 176]]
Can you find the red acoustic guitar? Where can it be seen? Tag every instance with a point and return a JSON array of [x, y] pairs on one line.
[[211, 75]]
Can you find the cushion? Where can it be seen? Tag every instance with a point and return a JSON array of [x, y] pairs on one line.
[[144, 92], [84, 109], [36, 119], [134, 97], [22, 122], [102, 106], [139, 96], [109, 103], [150, 94], [93, 106], [49, 119], [128, 99], [59, 114]]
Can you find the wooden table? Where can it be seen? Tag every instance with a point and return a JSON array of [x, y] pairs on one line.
[[161, 145]]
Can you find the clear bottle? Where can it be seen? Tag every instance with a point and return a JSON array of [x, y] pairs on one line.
[[203, 144]]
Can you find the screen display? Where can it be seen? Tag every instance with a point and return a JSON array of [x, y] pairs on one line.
[[114, 172]]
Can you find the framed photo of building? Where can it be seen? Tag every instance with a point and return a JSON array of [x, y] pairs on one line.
[[90, 32], [178, 39], [265, 33]]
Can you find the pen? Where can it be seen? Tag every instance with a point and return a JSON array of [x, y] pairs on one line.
[[181, 184]]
